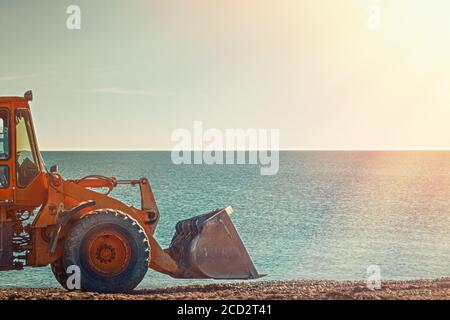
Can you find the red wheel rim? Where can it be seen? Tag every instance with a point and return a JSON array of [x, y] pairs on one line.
[[109, 252]]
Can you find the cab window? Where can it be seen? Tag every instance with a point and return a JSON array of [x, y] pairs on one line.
[[27, 168], [4, 135], [4, 177]]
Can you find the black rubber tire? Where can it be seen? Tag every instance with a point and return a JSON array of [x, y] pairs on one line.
[[91, 280], [59, 273]]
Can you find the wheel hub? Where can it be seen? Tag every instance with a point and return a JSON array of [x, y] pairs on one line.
[[109, 252], [105, 253]]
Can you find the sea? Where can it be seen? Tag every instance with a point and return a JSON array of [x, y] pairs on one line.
[[330, 215]]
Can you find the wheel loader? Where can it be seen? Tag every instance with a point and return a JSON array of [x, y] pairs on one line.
[[48, 220]]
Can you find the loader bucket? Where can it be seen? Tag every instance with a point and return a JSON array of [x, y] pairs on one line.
[[208, 246]]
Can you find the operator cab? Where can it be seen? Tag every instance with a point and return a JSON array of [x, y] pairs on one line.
[[21, 168], [22, 177]]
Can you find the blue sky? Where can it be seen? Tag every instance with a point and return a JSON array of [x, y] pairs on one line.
[[138, 70]]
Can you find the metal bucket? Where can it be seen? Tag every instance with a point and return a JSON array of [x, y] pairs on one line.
[[208, 246]]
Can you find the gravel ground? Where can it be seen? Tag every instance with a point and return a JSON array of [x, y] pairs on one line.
[[278, 290]]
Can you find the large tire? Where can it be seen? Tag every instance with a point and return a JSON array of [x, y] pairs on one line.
[[111, 250], [59, 273]]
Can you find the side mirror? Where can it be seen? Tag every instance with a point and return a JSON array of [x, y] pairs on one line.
[[54, 168]]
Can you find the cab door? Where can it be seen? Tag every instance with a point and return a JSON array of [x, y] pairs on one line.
[[6, 162], [30, 178]]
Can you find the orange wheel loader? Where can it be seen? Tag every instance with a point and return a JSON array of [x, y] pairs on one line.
[[48, 220]]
